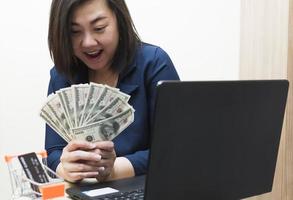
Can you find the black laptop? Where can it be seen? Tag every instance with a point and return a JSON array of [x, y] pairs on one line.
[[210, 140]]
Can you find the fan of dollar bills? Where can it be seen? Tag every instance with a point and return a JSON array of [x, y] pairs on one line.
[[90, 112]]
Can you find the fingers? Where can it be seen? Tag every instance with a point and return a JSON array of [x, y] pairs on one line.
[[77, 144], [106, 164], [83, 145], [76, 176], [80, 167], [102, 163], [82, 159], [105, 145], [74, 151], [76, 171], [104, 154], [80, 155]]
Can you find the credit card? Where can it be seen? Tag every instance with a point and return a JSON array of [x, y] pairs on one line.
[[33, 169]]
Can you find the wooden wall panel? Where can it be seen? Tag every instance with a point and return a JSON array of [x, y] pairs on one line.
[[266, 52], [289, 117], [263, 39]]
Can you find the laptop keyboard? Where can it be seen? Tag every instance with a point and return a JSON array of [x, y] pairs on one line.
[[129, 195]]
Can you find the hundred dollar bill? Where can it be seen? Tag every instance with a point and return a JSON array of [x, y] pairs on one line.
[[94, 92], [66, 98], [116, 93], [106, 129], [115, 107], [53, 122], [79, 93], [100, 103], [64, 105], [58, 112], [54, 126], [105, 98]]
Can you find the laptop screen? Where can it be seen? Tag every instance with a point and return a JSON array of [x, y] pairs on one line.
[[215, 139]]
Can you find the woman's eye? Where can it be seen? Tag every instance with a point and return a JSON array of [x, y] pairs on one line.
[[74, 32], [100, 29]]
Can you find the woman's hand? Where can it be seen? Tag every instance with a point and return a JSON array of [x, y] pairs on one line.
[[108, 157], [76, 158], [111, 167]]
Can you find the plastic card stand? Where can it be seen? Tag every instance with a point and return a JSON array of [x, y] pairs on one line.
[[25, 187]]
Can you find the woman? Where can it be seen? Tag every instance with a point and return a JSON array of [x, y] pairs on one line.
[[95, 41]]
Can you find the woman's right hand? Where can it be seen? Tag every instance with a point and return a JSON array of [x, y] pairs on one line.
[[74, 157]]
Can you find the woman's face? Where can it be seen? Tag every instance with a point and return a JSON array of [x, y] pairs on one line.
[[95, 34]]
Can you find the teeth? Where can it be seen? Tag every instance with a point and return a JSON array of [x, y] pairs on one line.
[[93, 52]]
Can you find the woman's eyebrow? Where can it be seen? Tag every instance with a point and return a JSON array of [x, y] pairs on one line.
[[99, 18]]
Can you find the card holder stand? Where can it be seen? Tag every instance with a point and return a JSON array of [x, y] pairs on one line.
[[23, 186]]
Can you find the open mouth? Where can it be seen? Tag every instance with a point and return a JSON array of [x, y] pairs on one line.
[[93, 54]]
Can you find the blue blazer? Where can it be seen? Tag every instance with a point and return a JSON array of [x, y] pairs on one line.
[[151, 64]]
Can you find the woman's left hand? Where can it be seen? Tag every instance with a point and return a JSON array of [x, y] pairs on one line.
[[108, 156]]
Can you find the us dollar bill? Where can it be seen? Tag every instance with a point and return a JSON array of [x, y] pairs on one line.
[[94, 93], [115, 107], [64, 105], [105, 98], [92, 111], [68, 104], [106, 129], [116, 93], [80, 93], [56, 109], [55, 126]]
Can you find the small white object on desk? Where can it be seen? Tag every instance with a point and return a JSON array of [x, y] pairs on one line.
[[99, 192]]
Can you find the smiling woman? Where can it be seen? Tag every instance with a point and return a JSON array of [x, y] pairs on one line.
[[96, 41], [94, 35]]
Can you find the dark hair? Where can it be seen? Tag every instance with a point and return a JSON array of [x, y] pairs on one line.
[[60, 44]]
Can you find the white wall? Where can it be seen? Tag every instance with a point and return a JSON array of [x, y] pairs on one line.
[[201, 37]]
